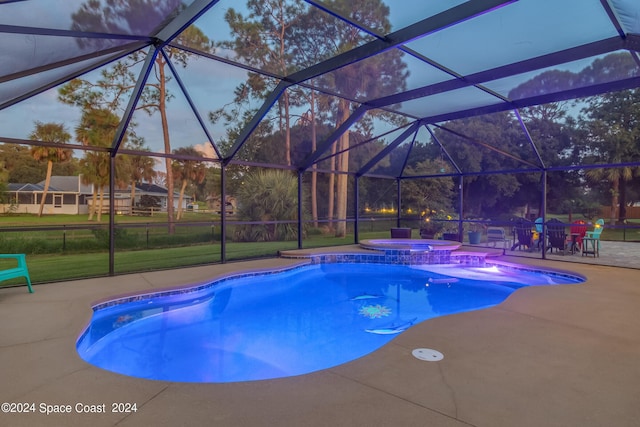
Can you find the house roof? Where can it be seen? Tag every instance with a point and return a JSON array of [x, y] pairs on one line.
[[27, 188], [152, 188], [71, 184]]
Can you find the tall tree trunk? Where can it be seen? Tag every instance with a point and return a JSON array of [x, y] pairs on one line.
[[614, 200], [94, 199], [133, 197], [287, 129], [167, 143], [180, 198], [47, 181], [332, 180], [622, 213], [343, 178], [100, 206]]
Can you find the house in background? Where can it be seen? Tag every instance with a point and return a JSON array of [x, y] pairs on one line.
[[68, 195]]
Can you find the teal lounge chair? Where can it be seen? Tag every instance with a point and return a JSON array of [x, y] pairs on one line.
[[19, 271], [597, 230], [591, 241]]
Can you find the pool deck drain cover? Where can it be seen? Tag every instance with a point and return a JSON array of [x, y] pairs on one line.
[[427, 354]]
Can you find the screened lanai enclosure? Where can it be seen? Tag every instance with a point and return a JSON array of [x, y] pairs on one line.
[[150, 134]]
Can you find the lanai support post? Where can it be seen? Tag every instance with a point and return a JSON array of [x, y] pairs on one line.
[[356, 209], [300, 219], [223, 213], [399, 194], [544, 213], [460, 209], [112, 210]]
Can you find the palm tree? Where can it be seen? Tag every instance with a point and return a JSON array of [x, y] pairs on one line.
[[613, 136], [97, 128], [50, 132], [95, 172], [117, 81], [270, 195], [186, 171], [140, 168], [615, 177]]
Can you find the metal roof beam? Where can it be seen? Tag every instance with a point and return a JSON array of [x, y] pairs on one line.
[[255, 120], [435, 138], [133, 100], [613, 17], [186, 17], [556, 58], [528, 135], [488, 147], [429, 25], [68, 77], [326, 144], [15, 29], [119, 51], [632, 42], [389, 148], [630, 83], [191, 104]]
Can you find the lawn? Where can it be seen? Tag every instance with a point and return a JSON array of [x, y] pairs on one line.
[[55, 267], [143, 244]]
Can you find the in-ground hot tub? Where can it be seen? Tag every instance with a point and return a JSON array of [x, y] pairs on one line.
[[412, 251], [410, 244]]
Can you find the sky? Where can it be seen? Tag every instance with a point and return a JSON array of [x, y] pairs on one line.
[[211, 84]]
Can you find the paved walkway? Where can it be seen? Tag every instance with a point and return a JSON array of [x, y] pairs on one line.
[[552, 356], [617, 254]]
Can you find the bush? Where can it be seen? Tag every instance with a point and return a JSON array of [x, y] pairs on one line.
[[267, 196], [123, 239]]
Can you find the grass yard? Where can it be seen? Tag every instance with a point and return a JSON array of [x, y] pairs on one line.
[[143, 244], [45, 268]]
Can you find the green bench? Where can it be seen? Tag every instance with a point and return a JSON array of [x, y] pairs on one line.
[[19, 271]]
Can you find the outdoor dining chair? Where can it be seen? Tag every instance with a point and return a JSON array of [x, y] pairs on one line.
[[556, 235], [577, 231]]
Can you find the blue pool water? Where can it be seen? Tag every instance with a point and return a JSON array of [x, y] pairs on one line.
[[288, 323]]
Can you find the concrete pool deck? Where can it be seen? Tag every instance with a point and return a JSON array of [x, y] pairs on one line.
[[548, 356]]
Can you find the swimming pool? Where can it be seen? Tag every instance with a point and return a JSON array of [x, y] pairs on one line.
[[308, 318]]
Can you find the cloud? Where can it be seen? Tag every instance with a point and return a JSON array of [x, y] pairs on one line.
[[206, 149]]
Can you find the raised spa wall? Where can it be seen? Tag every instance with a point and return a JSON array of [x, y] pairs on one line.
[[402, 257]]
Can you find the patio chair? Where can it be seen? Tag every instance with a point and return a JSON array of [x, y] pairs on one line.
[[577, 232], [497, 235], [591, 240], [539, 232], [556, 235], [523, 234], [19, 271], [597, 230], [400, 233]]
